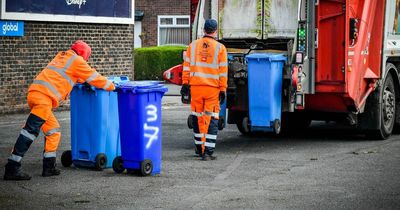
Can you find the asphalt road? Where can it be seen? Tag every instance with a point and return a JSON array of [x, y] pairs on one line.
[[324, 167]]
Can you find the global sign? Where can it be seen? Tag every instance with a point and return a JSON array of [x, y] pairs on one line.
[[12, 28]]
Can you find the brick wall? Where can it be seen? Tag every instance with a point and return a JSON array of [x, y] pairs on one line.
[[22, 58], [153, 8]]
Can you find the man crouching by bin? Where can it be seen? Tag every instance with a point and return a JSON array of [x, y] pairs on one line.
[[52, 85], [204, 79]]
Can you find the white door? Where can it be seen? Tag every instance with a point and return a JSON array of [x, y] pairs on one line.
[[138, 31]]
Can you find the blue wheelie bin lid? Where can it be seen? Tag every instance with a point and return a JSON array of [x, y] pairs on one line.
[[117, 80], [267, 56], [143, 86], [157, 88]]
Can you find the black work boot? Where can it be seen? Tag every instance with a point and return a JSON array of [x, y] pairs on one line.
[[49, 167], [208, 157], [197, 152], [14, 172]]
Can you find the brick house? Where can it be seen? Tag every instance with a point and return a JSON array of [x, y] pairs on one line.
[[23, 57], [164, 22]]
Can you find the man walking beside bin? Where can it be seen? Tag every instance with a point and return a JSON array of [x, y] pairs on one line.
[[204, 79], [52, 85]]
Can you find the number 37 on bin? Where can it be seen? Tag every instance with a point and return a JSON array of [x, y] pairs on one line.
[[151, 132]]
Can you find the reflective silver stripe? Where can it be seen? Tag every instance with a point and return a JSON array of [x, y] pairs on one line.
[[216, 53], [198, 142], [212, 114], [208, 144], [187, 59], [186, 68], [197, 114], [92, 77], [204, 75], [211, 136], [207, 65], [107, 85], [223, 75], [15, 158], [62, 70], [69, 62], [27, 134], [192, 53], [62, 73], [198, 135], [49, 86], [213, 65], [49, 154], [223, 64], [52, 131]]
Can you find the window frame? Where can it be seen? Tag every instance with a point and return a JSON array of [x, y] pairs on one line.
[[173, 25]]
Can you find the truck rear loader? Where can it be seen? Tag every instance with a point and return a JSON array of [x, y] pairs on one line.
[[343, 59]]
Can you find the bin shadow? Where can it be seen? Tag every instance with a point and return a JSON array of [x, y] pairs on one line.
[[317, 132]]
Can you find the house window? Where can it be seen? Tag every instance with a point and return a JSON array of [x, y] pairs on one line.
[[173, 29]]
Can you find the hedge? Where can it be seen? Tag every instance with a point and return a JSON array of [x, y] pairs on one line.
[[151, 62]]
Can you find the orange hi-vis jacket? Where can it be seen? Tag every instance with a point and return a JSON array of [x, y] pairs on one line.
[[58, 78], [206, 64]]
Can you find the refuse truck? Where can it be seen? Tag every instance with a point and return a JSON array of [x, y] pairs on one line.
[[343, 59]]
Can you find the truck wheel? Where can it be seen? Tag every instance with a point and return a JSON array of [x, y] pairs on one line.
[[66, 158], [100, 161], [387, 111], [243, 126], [118, 165]]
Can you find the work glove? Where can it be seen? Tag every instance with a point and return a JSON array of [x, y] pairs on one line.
[[222, 96], [185, 94], [116, 85]]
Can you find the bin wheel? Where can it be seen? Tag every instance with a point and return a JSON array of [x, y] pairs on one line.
[[100, 161], [243, 126], [190, 122], [66, 158], [221, 123], [277, 126], [146, 167], [118, 165]]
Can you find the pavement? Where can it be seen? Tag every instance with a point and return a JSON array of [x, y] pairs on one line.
[[324, 167], [173, 90]]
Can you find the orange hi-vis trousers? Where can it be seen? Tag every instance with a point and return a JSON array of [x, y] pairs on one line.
[[41, 106], [41, 117], [205, 110]]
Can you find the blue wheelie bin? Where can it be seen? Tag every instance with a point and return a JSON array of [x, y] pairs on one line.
[[95, 138], [222, 116], [139, 105], [265, 91]]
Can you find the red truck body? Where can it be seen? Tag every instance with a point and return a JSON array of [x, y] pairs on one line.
[[345, 76]]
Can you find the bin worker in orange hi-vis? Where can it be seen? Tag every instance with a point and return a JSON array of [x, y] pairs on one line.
[[48, 89], [204, 78]]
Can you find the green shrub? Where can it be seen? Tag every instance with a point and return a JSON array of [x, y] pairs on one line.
[[151, 62]]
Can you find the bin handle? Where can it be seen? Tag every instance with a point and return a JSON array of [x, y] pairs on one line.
[[127, 90]]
